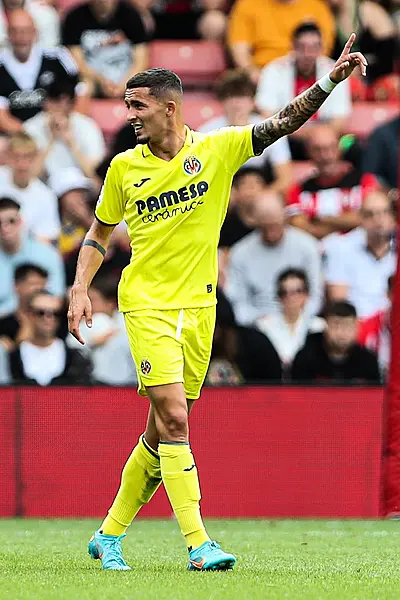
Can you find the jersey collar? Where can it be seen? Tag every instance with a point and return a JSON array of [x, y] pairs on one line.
[[189, 139]]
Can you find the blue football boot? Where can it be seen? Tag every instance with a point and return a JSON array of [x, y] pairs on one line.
[[108, 549], [210, 557]]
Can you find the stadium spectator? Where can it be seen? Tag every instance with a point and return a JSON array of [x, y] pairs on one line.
[[26, 72], [378, 40], [44, 359], [236, 92], [375, 333], [358, 271], [45, 18], [204, 19], [334, 354], [258, 36], [258, 258], [290, 75], [15, 327], [74, 193], [329, 201], [240, 355], [65, 137], [247, 186], [28, 279], [108, 41], [39, 206], [287, 329], [18, 247], [381, 155], [106, 339]]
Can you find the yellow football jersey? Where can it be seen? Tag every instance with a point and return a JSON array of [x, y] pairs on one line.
[[174, 211]]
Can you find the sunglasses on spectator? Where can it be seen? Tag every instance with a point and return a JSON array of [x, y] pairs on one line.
[[295, 291], [45, 312], [10, 221]]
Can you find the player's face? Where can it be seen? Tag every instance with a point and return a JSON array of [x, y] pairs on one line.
[[147, 115], [341, 332]]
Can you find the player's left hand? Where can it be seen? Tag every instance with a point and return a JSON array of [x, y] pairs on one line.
[[79, 306], [347, 62]]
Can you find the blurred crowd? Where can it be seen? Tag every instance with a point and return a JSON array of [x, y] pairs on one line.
[[308, 250]]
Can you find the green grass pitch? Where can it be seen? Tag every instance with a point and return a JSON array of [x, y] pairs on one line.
[[307, 560]]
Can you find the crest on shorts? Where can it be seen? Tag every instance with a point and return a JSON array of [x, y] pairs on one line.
[[191, 165], [145, 366]]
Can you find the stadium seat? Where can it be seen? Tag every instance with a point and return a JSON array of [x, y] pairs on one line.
[[199, 107], [302, 170], [366, 116], [197, 63], [110, 115]]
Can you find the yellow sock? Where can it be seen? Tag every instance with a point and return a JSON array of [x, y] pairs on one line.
[[141, 477], [179, 475]]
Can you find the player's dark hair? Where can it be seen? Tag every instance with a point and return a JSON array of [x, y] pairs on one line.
[[293, 274], [305, 28], [6, 203], [340, 309], [244, 171], [235, 82], [22, 271], [107, 286], [161, 82]]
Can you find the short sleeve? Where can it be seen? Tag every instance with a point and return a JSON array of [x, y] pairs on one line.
[[233, 145], [240, 27], [110, 207]]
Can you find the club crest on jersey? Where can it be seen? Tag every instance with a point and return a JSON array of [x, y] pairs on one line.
[[191, 165], [145, 366]]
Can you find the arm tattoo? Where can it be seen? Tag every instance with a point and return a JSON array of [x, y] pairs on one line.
[[95, 245], [289, 119]]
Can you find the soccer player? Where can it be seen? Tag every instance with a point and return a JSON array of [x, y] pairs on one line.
[[173, 189]]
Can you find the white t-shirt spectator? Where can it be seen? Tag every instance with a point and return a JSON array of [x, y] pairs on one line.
[[43, 364], [277, 86], [278, 153], [39, 204], [254, 268], [350, 263], [287, 340], [47, 23], [85, 131]]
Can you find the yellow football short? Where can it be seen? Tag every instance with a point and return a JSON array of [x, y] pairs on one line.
[[171, 346]]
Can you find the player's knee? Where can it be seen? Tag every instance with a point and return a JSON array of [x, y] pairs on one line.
[[174, 425]]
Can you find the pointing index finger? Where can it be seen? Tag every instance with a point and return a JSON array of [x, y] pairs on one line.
[[349, 44]]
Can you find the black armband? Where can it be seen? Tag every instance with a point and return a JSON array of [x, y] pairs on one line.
[[96, 245]]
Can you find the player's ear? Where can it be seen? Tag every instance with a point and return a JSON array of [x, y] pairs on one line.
[[171, 108]]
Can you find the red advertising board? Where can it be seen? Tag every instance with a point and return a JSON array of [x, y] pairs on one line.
[[261, 452]]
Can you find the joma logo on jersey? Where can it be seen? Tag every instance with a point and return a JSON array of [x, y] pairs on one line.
[[191, 165], [194, 190]]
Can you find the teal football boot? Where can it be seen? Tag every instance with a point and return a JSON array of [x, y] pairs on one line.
[[210, 557], [108, 549]]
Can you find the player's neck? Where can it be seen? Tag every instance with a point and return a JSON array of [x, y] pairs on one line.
[[172, 143]]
